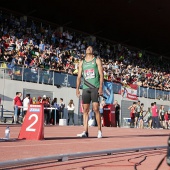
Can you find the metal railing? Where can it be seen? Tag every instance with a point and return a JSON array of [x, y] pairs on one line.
[[14, 113], [21, 163], [44, 76]]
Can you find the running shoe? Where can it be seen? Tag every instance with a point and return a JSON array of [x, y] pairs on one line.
[[83, 135], [99, 134]]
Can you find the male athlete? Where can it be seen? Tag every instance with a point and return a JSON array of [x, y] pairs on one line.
[[92, 71]]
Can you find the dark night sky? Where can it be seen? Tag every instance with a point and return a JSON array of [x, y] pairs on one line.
[[140, 23]]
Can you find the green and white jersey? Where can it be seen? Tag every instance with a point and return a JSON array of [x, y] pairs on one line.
[[90, 73]]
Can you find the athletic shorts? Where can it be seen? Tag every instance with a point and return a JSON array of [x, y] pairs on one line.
[[162, 118], [149, 118], [137, 115], [90, 94], [140, 117]]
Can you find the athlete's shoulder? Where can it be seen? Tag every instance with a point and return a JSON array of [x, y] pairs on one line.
[[80, 63], [98, 60]]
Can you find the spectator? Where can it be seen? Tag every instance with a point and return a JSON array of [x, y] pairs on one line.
[[17, 103], [61, 108], [161, 115], [166, 120], [132, 109], [117, 113], [155, 121], [70, 108], [39, 100], [56, 106], [149, 119], [141, 116], [26, 102], [45, 102], [41, 47], [137, 113]]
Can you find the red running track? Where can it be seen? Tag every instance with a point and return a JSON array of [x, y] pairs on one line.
[[63, 140]]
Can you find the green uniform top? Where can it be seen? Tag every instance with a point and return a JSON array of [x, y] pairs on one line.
[[90, 73], [149, 114]]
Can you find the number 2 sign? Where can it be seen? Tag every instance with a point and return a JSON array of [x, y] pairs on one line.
[[33, 125]]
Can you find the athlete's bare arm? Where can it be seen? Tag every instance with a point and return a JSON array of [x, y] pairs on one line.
[[79, 79], [100, 69]]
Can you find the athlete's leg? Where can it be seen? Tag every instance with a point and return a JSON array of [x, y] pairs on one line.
[[86, 97], [142, 123], [98, 116], [95, 101], [86, 108], [136, 119]]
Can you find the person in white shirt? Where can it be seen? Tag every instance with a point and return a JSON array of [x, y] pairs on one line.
[[70, 108], [26, 102]]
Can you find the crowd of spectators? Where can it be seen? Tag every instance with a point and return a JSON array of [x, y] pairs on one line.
[[38, 46]]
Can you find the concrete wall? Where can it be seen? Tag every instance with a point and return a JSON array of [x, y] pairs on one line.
[[8, 88]]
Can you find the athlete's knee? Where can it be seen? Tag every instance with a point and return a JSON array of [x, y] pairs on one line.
[[96, 110], [86, 110]]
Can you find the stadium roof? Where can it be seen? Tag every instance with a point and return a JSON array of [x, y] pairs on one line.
[[140, 23]]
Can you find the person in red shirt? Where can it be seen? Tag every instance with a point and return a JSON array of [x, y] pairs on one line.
[[17, 103], [155, 120], [132, 114], [166, 118], [46, 103]]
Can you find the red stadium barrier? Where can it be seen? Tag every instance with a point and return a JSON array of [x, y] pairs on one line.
[[109, 115]]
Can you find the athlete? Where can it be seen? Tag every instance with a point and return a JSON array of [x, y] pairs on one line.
[[137, 113], [92, 71]]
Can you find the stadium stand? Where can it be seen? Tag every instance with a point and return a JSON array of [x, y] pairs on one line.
[[29, 49]]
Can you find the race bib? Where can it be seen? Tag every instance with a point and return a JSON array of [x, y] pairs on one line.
[[89, 74]]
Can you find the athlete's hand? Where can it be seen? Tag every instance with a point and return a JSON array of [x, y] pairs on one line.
[[100, 91], [77, 92]]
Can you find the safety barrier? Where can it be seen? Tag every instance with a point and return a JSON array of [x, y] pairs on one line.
[[44, 76], [65, 157]]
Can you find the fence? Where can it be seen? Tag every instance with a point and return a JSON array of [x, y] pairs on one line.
[[42, 76], [13, 114]]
